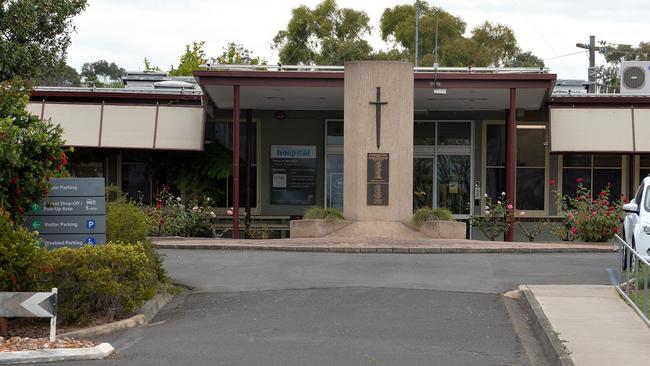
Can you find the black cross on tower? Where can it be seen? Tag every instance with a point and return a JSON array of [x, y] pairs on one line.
[[378, 103]]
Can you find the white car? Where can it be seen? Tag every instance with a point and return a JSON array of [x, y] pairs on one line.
[[636, 227]]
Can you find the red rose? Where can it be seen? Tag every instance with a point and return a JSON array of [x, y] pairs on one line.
[[551, 182], [579, 180], [615, 230]]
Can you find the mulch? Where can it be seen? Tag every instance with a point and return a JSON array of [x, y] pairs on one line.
[[36, 344]]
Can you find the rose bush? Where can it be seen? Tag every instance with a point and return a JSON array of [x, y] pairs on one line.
[[170, 216], [495, 220], [587, 217], [595, 219]]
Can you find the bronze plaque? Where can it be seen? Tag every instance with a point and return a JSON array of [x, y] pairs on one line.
[[377, 179]]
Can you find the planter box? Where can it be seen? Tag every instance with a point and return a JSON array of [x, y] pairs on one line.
[[315, 228], [444, 229]]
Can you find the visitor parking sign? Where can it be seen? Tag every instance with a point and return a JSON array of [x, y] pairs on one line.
[[72, 215]]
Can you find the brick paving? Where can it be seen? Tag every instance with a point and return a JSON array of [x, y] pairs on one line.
[[382, 245]]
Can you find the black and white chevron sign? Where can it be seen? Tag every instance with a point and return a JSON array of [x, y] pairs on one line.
[[28, 304]]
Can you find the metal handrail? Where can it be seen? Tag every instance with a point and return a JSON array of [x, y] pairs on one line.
[[338, 68], [631, 284]]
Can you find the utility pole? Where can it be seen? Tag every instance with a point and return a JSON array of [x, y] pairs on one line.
[[591, 74], [417, 31]]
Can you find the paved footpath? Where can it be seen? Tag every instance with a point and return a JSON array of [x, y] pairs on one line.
[[381, 245], [595, 325]]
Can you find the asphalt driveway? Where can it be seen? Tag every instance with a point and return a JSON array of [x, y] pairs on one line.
[[278, 308]]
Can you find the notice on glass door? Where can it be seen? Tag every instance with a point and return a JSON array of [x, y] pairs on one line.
[[293, 172]]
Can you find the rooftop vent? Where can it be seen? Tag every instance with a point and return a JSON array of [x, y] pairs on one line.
[[173, 84]]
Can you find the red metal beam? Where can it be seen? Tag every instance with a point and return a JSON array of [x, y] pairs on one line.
[[511, 159], [235, 163], [336, 79]]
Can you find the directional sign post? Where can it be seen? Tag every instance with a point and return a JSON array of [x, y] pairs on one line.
[[30, 305], [72, 215]]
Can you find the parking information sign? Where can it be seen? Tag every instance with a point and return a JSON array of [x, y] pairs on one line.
[[73, 214]]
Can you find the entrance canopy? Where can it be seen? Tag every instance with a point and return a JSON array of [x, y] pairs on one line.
[[322, 88]]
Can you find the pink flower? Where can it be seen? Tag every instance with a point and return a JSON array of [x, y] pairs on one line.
[[579, 180], [509, 207]]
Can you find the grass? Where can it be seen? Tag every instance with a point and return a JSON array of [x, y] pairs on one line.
[[424, 214]]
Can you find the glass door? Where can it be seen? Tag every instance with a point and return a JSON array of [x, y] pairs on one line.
[[453, 182], [422, 182], [442, 166]]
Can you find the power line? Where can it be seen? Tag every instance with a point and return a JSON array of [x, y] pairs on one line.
[[532, 24], [560, 56]]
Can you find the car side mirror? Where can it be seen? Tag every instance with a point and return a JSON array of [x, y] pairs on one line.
[[631, 207]]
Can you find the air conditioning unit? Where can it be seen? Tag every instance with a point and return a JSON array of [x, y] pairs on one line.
[[635, 77]]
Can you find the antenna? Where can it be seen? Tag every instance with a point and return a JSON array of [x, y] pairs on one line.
[[417, 30], [435, 64], [436, 90]]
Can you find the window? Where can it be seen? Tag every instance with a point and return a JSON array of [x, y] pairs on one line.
[[531, 164], [531, 167], [639, 194], [84, 163], [424, 133], [595, 172], [644, 166], [454, 133], [136, 181], [334, 165], [220, 132]]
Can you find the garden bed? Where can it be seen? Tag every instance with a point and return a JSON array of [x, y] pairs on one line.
[[13, 344]]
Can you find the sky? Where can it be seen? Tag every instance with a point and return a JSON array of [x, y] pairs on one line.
[[126, 31]]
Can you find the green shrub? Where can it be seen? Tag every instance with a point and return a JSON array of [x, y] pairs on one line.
[[431, 214], [328, 214], [125, 222], [110, 281], [31, 150], [20, 253]]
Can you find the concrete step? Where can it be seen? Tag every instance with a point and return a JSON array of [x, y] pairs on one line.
[[377, 229]]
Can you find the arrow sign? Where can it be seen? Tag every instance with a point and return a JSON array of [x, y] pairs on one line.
[[28, 304]]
